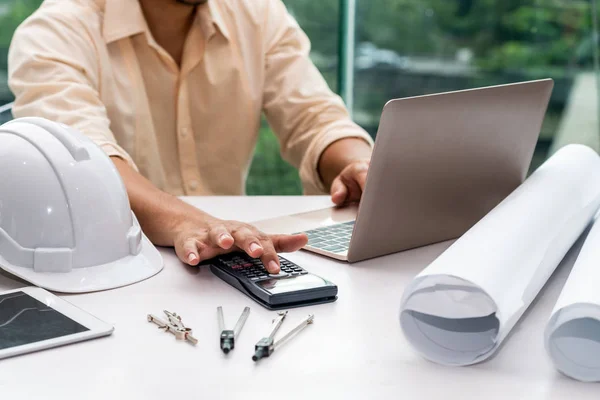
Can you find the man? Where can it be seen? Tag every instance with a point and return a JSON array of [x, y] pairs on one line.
[[173, 91]]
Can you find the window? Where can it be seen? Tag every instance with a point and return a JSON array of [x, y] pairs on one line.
[[270, 174], [12, 13], [414, 47]]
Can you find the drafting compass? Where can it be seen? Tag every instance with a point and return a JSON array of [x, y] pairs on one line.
[[267, 345], [174, 325], [228, 337]]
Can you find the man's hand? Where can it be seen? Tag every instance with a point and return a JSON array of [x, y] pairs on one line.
[[207, 237], [350, 183], [197, 236], [343, 168]]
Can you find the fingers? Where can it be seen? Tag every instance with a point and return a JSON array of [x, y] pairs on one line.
[[360, 174], [194, 246], [187, 251], [339, 191], [257, 245], [354, 178], [220, 236], [247, 240], [269, 258], [281, 244], [289, 243]]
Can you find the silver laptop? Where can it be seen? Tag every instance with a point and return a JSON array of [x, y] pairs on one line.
[[440, 163]]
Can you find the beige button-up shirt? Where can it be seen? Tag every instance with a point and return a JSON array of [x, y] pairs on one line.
[[191, 130]]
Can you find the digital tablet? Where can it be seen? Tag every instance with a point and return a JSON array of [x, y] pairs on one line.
[[33, 319]]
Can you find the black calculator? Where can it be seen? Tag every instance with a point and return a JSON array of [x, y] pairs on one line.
[[292, 287]]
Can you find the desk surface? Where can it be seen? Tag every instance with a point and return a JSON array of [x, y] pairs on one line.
[[354, 350]]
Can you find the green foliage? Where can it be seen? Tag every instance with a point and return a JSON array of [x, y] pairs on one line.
[[503, 34], [318, 19], [538, 34], [400, 25], [270, 174], [12, 13]]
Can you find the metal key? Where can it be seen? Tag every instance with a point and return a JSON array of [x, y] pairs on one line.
[[228, 337], [264, 348], [174, 325]]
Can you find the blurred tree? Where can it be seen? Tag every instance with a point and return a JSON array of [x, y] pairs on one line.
[[503, 34], [12, 13]]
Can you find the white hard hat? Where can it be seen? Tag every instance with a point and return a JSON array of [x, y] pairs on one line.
[[65, 220]]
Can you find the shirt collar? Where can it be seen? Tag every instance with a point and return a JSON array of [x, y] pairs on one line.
[[124, 18], [213, 16]]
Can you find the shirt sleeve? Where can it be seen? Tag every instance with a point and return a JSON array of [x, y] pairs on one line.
[[304, 113], [54, 73]]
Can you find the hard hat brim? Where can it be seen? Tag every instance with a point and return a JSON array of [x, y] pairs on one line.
[[123, 272]]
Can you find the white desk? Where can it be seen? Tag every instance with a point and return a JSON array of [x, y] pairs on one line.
[[355, 349]]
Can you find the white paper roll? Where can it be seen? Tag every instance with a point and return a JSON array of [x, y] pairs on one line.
[[459, 309], [572, 335]]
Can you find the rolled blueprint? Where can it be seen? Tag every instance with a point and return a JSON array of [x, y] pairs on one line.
[[460, 308], [572, 335]]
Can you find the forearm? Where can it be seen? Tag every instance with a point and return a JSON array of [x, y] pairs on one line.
[[159, 213], [340, 154]]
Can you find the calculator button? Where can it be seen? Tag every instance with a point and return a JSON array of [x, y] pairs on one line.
[[248, 265], [254, 278], [303, 273], [281, 274], [262, 276], [297, 269], [295, 273]]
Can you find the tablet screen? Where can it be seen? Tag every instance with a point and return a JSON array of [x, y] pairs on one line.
[[25, 320]]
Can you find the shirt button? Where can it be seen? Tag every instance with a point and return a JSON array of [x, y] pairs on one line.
[[184, 132], [193, 185]]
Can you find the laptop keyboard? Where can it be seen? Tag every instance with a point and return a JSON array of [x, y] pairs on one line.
[[333, 238]]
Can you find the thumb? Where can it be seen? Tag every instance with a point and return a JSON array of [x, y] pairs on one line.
[[339, 191], [289, 243]]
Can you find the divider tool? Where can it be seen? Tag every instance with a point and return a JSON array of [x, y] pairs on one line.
[[174, 325], [228, 337], [266, 346]]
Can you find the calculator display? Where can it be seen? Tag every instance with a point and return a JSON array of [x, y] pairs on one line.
[[303, 282]]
